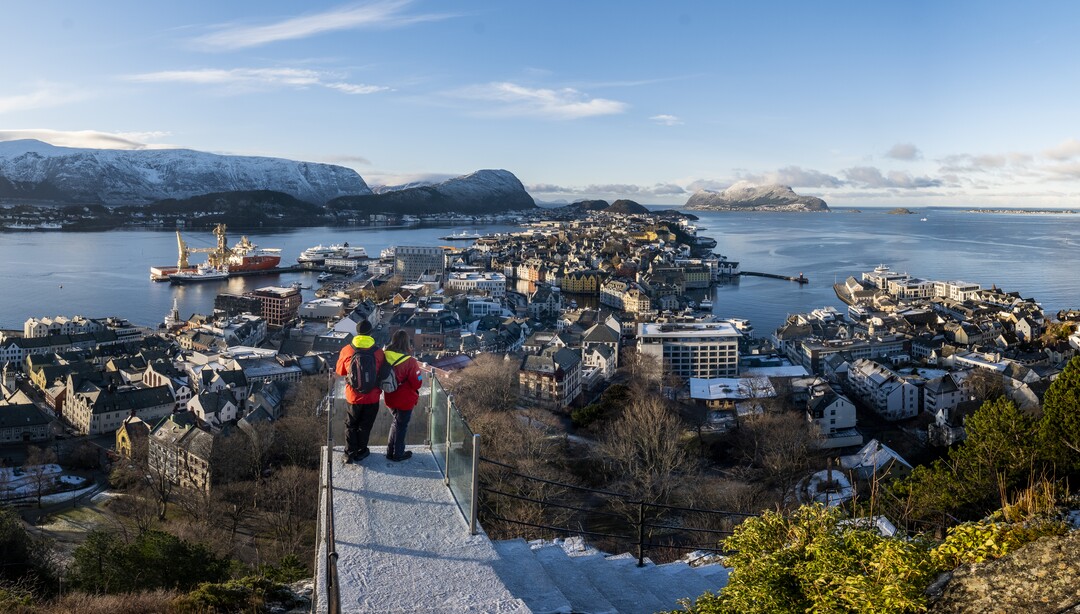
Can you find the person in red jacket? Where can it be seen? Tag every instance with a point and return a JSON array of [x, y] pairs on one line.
[[363, 407], [401, 401]]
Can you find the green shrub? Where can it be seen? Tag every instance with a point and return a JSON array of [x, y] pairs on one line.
[[975, 542], [248, 594]]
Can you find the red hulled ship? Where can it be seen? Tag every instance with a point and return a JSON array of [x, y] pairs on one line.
[[243, 257]]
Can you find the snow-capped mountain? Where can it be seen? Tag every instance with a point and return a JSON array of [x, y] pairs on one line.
[[33, 170], [744, 195], [485, 191]]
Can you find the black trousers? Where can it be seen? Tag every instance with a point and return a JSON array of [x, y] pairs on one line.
[[358, 422]]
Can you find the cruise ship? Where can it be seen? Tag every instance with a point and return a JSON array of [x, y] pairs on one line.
[[319, 253]]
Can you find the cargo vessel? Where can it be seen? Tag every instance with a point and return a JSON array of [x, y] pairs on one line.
[[203, 272], [241, 258]]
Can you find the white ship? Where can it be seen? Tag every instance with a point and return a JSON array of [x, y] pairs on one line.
[[319, 253], [204, 272]]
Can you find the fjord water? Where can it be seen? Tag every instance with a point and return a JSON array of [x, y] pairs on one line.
[[106, 273]]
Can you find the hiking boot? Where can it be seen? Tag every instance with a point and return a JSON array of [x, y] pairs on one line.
[[397, 459], [356, 457]]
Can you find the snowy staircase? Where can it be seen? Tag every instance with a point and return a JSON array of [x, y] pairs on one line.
[[549, 579], [402, 545]]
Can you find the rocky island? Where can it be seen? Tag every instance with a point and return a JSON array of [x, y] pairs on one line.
[[746, 196]]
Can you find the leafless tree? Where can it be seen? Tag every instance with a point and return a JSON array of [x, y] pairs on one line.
[[37, 470], [232, 504], [778, 443], [297, 439], [309, 395], [984, 384], [489, 384], [290, 503], [644, 449], [643, 372], [158, 484], [523, 441]]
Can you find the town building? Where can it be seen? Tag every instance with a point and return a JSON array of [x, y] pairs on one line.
[[280, 306], [889, 395], [410, 262], [492, 284], [696, 349], [551, 378]]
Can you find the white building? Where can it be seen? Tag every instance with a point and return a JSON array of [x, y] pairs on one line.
[[889, 395], [322, 309], [491, 284], [833, 416], [697, 349], [60, 325]]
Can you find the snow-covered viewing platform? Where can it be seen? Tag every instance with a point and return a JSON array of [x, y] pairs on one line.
[[403, 545]]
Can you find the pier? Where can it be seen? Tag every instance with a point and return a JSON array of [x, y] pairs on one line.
[[801, 279]]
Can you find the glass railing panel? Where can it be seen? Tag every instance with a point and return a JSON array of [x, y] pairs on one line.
[[419, 430], [460, 469], [439, 403]]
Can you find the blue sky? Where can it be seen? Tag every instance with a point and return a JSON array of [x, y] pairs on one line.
[[861, 103]]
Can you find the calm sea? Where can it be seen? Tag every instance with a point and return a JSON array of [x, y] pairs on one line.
[[106, 273]]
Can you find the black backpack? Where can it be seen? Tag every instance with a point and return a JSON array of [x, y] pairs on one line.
[[387, 377], [363, 375]]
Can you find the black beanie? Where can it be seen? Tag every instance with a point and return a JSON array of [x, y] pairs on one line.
[[363, 327]]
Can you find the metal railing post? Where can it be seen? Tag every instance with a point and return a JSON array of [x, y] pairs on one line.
[[333, 596], [475, 496], [641, 534]]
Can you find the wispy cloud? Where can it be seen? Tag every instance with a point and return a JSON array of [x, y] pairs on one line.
[[43, 95], [239, 79], [347, 159], [904, 151], [90, 138], [870, 177], [518, 100], [666, 120], [982, 163], [387, 14], [1070, 148]]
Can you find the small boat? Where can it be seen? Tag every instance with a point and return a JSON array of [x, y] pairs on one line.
[[325, 276], [705, 304], [923, 219], [204, 272], [461, 236]]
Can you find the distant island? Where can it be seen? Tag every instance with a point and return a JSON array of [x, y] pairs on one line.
[[746, 196], [900, 211]]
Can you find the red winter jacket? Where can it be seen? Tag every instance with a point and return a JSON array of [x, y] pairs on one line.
[[358, 342], [409, 379]]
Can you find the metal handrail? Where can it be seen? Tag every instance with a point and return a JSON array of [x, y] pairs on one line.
[[333, 588], [640, 525]]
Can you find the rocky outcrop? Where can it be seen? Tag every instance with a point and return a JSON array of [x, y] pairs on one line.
[[32, 170], [485, 191], [745, 196], [1040, 578], [626, 207]]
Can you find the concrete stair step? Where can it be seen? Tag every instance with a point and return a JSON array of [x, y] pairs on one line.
[[667, 583], [527, 579], [715, 573], [685, 582], [616, 580], [575, 586]]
